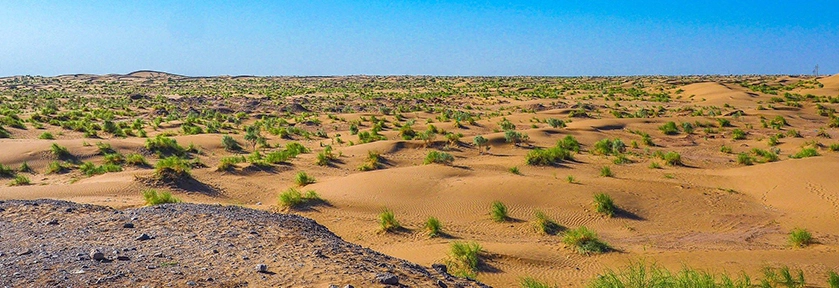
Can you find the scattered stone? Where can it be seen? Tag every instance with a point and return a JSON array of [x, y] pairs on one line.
[[440, 268], [128, 225], [97, 255], [333, 286], [123, 258], [158, 255], [53, 222], [441, 284], [25, 252], [261, 268], [348, 286], [387, 278], [143, 237], [191, 283], [151, 267]]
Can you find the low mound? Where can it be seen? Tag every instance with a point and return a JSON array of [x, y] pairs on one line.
[[58, 243], [713, 92]]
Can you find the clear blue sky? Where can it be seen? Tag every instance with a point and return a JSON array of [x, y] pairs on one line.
[[419, 37]]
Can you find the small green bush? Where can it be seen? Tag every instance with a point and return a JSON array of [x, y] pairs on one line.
[[465, 258], [438, 157], [569, 143], [228, 163], [726, 149], [498, 212], [372, 162], [738, 134], [152, 197], [230, 144], [555, 123], [515, 170], [745, 159], [547, 157], [164, 146], [6, 171], [609, 147], [136, 160], [782, 277], [388, 222], [433, 227], [172, 168], [832, 279], [303, 179], [585, 241], [530, 282], [60, 152], [293, 199], [56, 167], [603, 204], [46, 136], [114, 159], [804, 153], [605, 171], [669, 128], [673, 158], [545, 224], [21, 180], [800, 238]]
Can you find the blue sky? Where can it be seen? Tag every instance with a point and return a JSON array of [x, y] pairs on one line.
[[419, 37]]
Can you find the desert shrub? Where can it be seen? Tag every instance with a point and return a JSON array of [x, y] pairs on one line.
[[782, 277], [171, 168], [498, 212], [438, 157], [114, 159], [325, 157], [768, 156], [603, 204], [480, 142], [407, 132], [647, 139], [738, 134], [464, 258], [294, 199], [153, 197], [687, 127], [621, 159], [164, 146], [433, 227], [547, 157], [584, 241], [295, 149], [4, 133], [46, 136], [800, 238], [6, 171], [530, 282], [228, 163], [515, 137], [793, 133], [60, 151], [555, 123], [24, 167], [723, 122], [56, 167], [726, 149], [21, 180], [230, 144], [605, 171], [609, 147], [832, 279], [303, 179], [569, 143], [654, 165], [672, 158], [652, 276], [372, 162], [388, 222], [136, 159], [669, 128], [804, 153], [90, 169], [277, 157], [745, 159], [545, 224], [104, 148], [570, 179], [515, 170], [773, 140]]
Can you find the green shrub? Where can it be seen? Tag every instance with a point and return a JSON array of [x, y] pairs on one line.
[[723, 122], [374, 161], [669, 128], [652, 276], [433, 227], [570, 179], [230, 144], [726, 149], [114, 159], [834, 147], [465, 258], [738, 134], [584, 241], [438, 157], [603, 204], [745, 159], [6, 171], [56, 167], [515, 170], [569, 143], [325, 157], [654, 165], [171, 168], [605, 171], [530, 282], [621, 159], [46, 136], [687, 127], [164, 146], [800, 238], [547, 157], [782, 277], [228, 163], [293, 199], [545, 224], [804, 153], [105, 148], [90, 169], [480, 142], [24, 167], [388, 222], [832, 279], [555, 123], [152, 197], [498, 212], [673, 159], [60, 151], [20, 180], [303, 179], [136, 160]]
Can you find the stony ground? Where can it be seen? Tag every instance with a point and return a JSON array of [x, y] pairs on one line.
[[48, 243]]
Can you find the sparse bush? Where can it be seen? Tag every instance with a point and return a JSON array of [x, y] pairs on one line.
[[726, 149], [438, 157], [673, 159], [46, 136], [388, 222], [609, 147], [652, 276], [530, 282], [547, 157], [465, 258], [152, 197], [800, 238], [498, 212], [745, 159], [6, 171], [56, 167], [303, 179], [782, 277], [584, 241], [654, 165], [136, 160], [555, 123], [228, 163], [164, 146], [295, 149], [20, 180], [230, 144], [480, 142], [114, 159], [60, 151], [172, 168], [433, 227], [90, 169], [804, 153], [545, 224], [293, 199], [24, 167], [669, 128], [605, 171], [832, 279], [569, 143], [374, 161], [603, 204], [738, 134], [515, 170]]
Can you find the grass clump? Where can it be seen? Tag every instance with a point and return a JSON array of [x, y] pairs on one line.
[[90, 169], [164, 146], [294, 199], [585, 241], [782, 277], [60, 151], [800, 238], [530, 282], [515, 170], [606, 172], [433, 227], [738, 134], [6, 171], [545, 224], [136, 159], [388, 222], [604, 204], [153, 197], [228, 163], [46, 136], [303, 179], [372, 162], [609, 147], [230, 144], [547, 157], [669, 128], [498, 212], [171, 168], [438, 158], [832, 279], [652, 276], [672, 158], [56, 167], [20, 180], [804, 153], [745, 159], [465, 258]]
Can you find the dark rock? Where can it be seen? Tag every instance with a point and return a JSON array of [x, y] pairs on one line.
[[123, 258], [387, 278], [441, 284], [53, 222], [25, 252], [261, 268], [97, 255], [348, 286], [143, 237], [128, 225], [440, 268]]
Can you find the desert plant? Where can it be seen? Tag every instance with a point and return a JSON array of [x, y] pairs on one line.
[[738, 134], [584, 241], [654, 165], [388, 222], [153, 197], [745, 159], [832, 279], [46, 136], [6, 171], [465, 258], [669, 128], [433, 227], [480, 142], [228, 163], [515, 137], [672, 158], [114, 159], [530, 282], [603, 204], [136, 160], [24, 167], [498, 212], [60, 151], [294, 199], [515, 170], [545, 224], [171, 168], [570, 179], [20, 180], [800, 238], [804, 153], [230, 144], [438, 157], [374, 161], [640, 274], [726, 149], [783, 277], [303, 179], [555, 123], [56, 167], [605, 171], [164, 146], [547, 157]]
